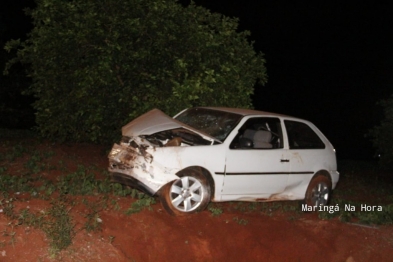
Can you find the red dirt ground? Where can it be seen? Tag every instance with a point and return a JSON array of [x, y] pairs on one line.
[[153, 235]]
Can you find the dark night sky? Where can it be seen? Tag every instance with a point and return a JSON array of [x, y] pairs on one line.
[[327, 62]]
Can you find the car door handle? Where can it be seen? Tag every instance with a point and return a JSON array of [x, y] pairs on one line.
[[284, 160]]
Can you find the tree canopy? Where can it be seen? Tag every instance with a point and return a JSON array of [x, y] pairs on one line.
[[15, 108], [97, 64]]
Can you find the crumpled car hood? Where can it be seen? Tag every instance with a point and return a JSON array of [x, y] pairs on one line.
[[155, 121]]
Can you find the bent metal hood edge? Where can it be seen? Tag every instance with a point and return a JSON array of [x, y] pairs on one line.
[[155, 121]]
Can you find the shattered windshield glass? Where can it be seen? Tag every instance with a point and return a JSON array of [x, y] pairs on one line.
[[217, 124]]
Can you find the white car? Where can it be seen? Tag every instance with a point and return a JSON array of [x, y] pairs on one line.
[[208, 154]]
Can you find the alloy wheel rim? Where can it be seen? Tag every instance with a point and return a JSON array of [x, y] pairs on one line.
[[320, 195], [186, 194]]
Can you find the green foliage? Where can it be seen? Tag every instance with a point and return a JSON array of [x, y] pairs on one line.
[[58, 226], [374, 217], [13, 153], [215, 210], [383, 135], [143, 202], [16, 133], [384, 217], [240, 221], [55, 222], [93, 222], [80, 182], [11, 183], [96, 64]]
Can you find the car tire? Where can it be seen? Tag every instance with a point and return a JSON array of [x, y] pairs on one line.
[[318, 191], [189, 194]]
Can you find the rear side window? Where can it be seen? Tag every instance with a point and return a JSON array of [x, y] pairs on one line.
[[301, 136]]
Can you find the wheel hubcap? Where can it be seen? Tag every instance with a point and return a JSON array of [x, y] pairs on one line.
[[320, 194], [186, 194]]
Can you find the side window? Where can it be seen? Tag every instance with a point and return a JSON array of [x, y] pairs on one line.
[[301, 136], [259, 133]]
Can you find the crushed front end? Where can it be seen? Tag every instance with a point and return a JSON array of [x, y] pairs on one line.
[[148, 156], [132, 163]]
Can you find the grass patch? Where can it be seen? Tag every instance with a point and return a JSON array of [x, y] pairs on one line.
[[55, 222], [214, 209], [350, 211], [144, 202], [58, 226], [240, 221]]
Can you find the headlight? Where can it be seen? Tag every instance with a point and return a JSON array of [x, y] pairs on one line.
[[114, 152]]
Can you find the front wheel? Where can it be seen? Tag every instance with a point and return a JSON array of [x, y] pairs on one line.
[[188, 194], [318, 191]]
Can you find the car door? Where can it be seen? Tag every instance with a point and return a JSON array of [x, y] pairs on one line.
[[306, 151], [257, 168]]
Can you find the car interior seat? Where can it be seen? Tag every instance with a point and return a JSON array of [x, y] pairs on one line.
[[262, 139]]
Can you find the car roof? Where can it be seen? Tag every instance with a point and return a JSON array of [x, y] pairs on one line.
[[247, 112]]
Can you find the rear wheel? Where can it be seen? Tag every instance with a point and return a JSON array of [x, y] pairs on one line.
[[318, 191], [188, 194]]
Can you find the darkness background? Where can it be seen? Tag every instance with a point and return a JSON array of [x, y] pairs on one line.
[[328, 62]]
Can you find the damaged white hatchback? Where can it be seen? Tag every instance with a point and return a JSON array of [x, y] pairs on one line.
[[208, 154]]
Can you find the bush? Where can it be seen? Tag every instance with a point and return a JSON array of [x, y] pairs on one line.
[[96, 64]]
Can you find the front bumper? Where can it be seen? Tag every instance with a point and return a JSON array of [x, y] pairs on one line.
[[137, 168], [128, 180]]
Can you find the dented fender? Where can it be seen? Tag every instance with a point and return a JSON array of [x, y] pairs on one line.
[[139, 164]]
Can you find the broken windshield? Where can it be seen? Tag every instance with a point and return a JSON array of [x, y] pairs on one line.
[[217, 124]]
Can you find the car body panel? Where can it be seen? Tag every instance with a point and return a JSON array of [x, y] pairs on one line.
[[305, 163], [259, 178]]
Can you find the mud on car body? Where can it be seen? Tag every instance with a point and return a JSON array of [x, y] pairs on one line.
[[224, 154]]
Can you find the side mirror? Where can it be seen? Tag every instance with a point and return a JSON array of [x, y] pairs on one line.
[[245, 143]]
